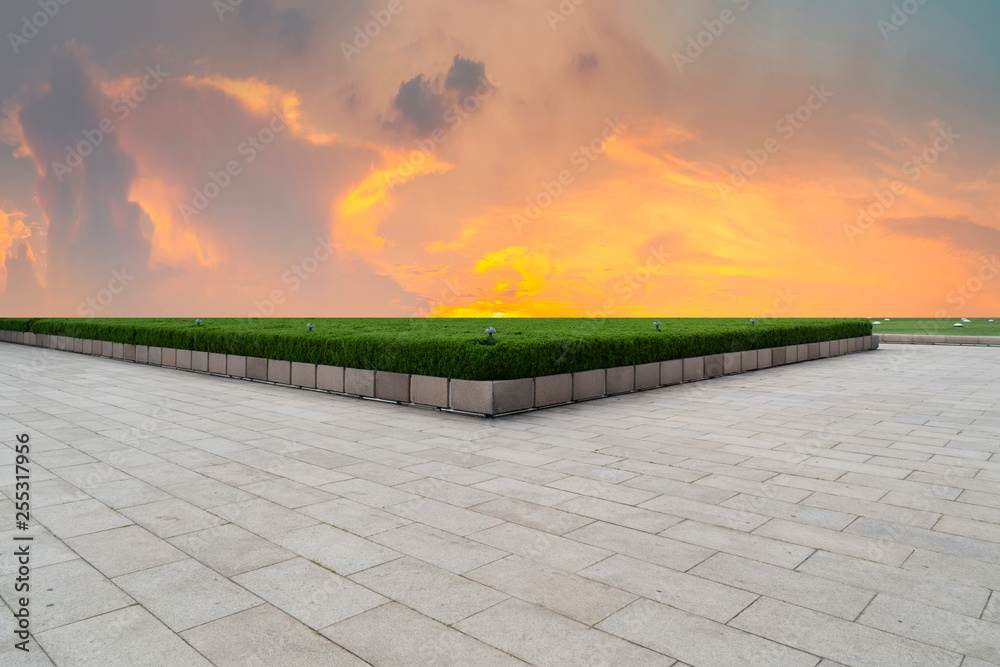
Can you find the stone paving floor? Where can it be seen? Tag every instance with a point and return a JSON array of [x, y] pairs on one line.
[[843, 511]]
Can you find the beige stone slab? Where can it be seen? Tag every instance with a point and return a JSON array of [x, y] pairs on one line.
[[568, 594], [265, 635], [375, 637], [431, 590], [126, 636], [542, 637], [312, 594], [186, 594]]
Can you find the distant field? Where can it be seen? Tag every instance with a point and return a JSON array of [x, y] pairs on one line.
[[979, 326], [457, 348]]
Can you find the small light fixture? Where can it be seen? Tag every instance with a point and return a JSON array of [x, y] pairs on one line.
[[657, 325], [753, 321], [310, 326], [489, 332], [197, 323]]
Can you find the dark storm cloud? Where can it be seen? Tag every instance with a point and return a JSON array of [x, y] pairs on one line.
[[586, 62], [291, 26], [420, 104], [93, 227], [464, 75]]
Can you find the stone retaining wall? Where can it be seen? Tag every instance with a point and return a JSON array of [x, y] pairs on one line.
[[487, 398]]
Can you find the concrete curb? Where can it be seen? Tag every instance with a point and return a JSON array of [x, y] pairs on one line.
[[487, 398], [914, 339]]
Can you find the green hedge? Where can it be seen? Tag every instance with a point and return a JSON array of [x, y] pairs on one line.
[[458, 348], [16, 323]]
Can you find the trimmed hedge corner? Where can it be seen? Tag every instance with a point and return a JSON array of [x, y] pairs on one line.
[[456, 348]]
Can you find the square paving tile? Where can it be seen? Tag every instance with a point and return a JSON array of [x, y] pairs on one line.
[[168, 518], [129, 636], [124, 550], [309, 592], [79, 518], [69, 591], [336, 549], [230, 550], [375, 636], [266, 636], [186, 594], [433, 591]]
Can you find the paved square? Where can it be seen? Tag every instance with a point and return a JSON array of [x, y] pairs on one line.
[[844, 511]]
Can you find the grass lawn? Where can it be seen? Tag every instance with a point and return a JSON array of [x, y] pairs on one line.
[[930, 326], [457, 348]]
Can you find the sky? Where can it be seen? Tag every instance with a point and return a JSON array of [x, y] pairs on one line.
[[582, 158]]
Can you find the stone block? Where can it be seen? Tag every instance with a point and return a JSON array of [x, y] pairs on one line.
[[694, 369], [803, 354], [129, 353], [117, 351], [424, 390], [29, 338], [199, 361], [844, 346], [78, 345], [217, 363], [279, 372], [331, 378], [813, 351], [959, 340], [989, 340], [236, 365], [732, 363], [620, 380], [779, 356], [931, 339], [513, 395], [359, 382], [168, 357], [88, 346], [749, 360], [183, 359], [588, 384], [715, 365], [392, 386], [764, 358], [304, 375], [671, 372], [876, 341], [553, 389], [471, 396], [791, 354], [869, 343], [106, 348], [142, 354], [256, 368], [647, 376], [824, 349], [155, 356], [852, 345]]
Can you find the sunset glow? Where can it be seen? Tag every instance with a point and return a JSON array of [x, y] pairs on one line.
[[503, 159]]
